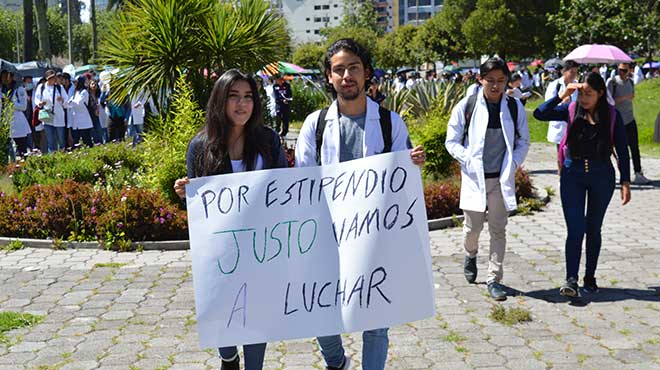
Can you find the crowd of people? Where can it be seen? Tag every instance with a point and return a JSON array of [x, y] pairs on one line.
[[487, 134], [58, 113]]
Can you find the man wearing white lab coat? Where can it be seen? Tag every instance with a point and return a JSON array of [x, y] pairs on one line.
[[489, 153], [352, 131], [556, 129]]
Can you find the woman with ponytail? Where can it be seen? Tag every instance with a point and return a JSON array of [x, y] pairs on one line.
[[595, 132]]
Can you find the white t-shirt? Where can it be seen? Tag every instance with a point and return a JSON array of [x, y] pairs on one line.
[[239, 166]]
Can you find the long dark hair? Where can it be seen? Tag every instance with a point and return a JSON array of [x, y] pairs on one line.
[[603, 120], [214, 158]]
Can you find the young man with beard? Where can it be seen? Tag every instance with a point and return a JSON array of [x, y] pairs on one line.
[[352, 127]]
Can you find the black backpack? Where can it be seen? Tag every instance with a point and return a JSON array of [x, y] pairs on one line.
[[469, 109], [385, 128]]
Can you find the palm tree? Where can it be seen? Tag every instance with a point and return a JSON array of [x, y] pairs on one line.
[[153, 42]]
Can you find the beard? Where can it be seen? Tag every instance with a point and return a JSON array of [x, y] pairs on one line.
[[350, 95]]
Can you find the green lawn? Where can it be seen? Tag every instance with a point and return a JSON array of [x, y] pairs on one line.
[[647, 107], [6, 185]]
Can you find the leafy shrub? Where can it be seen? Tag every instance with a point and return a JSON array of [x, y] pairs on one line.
[[442, 198], [431, 131], [140, 214], [6, 118], [75, 211], [112, 166], [165, 145], [307, 98]]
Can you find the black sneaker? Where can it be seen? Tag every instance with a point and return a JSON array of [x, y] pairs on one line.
[[496, 291], [590, 285], [470, 269], [231, 365], [570, 288], [344, 366]]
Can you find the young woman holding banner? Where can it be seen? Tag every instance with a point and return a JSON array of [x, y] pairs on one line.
[[234, 139]]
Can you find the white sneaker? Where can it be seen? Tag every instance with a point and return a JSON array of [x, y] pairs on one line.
[[640, 179]]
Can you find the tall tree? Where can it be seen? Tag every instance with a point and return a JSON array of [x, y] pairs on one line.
[[41, 8], [396, 49], [92, 20], [309, 55], [624, 23], [491, 28], [451, 19], [28, 24], [360, 14]]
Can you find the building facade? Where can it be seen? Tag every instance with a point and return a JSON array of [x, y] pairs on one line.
[[414, 12], [306, 18]]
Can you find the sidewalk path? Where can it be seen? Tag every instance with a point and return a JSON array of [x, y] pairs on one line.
[[141, 315]]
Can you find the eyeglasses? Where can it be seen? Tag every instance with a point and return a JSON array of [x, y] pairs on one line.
[[623, 71]]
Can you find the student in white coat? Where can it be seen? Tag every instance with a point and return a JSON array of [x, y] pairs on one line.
[[138, 113], [20, 128], [556, 129], [489, 150], [51, 97], [352, 130], [81, 117]]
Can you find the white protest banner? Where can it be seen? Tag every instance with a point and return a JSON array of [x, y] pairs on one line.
[[305, 252]]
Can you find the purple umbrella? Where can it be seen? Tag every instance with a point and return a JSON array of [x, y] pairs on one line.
[[651, 65], [596, 54]]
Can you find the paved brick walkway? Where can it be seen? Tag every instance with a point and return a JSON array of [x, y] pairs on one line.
[[140, 316]]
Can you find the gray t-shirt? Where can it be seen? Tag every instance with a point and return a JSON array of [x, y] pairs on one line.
[[494, 144], [351, 137], [626, 87]]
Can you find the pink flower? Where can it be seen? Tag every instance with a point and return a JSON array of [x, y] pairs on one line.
[[119, 225], [161, 220], [93, 210]]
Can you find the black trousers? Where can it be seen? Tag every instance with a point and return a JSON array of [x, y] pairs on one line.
[[282, 120], [117, 129], [633, 144]]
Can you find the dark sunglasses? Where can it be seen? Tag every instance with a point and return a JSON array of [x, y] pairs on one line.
[[623, 71]]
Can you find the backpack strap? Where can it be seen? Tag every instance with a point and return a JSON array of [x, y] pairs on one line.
[[557, 87], [320, 127], [561, 153], [513, 110], [469, 109], [386, 128]]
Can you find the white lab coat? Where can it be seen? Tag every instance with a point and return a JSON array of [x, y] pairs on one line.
[[19, 126], [51, 102], [137, 108], [638, 75], [470, 156], [371, 144], [81, 120], [556, 129]]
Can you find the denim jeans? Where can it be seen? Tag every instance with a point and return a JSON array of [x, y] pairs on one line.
[[55, 137], [591, 184], [254, 355], [137, 134], [374, 349]]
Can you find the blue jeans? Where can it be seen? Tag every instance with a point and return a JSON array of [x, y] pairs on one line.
[[585, 183], [137, 134], [254, 355], [374, 349], [55, 137]]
